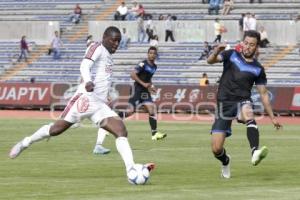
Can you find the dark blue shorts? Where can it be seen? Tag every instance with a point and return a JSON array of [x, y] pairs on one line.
[[139, 96], [225, 113]]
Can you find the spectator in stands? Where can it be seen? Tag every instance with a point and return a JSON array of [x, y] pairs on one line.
[[246, 22], [121, 12], [32, 80], [89, 40], [24, 49], [241, 25], [76, 15], [214, 5], [252, 21], [141, 29], [228, 6], [169, 26], [150, 28], [161, 17], [56, 44], [264, 42], [141, 10], [133, 13], [204, 80], [218, 30], [125, 39], [259, 1], [206, 51]]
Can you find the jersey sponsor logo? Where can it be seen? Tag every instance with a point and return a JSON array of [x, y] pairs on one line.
[[244, 67], [92, 50], [108, 69], [149, 69], [83, 104]]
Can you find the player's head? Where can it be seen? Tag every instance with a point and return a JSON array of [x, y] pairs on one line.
[[152, 53], [111, 39], [250, 43]]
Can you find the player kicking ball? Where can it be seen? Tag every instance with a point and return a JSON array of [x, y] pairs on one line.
[[240, 72], [91, 103]]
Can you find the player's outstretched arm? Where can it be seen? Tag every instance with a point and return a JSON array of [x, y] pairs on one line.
[[214, 57], [266, 102]]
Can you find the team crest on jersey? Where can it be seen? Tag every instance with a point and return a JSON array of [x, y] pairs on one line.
[[141, 64], [83, 104], [108, 69]]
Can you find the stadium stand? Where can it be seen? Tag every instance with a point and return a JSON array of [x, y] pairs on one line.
[[178, 63]]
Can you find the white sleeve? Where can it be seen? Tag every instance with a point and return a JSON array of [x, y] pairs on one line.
[[92, 54], [85, 70]]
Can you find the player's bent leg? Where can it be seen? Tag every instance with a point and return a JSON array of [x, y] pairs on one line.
[[44, 132], [59, 127]]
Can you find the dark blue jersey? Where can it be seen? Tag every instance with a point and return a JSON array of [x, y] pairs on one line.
[[238, 77], [145, 71]]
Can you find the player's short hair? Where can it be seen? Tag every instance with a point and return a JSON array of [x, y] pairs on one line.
[[253, 34], [152, 48], [110, 30]]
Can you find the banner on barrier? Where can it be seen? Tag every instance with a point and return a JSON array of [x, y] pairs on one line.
[[25, 94], [168, 97]]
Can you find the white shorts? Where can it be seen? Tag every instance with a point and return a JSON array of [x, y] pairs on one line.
[[83, 106]]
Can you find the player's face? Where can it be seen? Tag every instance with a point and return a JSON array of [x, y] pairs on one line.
[[152, 55], [112, 42], [249, 47]]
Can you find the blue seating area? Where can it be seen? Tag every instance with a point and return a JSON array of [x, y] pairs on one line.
[[178, 64]]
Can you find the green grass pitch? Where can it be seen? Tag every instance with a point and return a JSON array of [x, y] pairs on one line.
[[64, 168]]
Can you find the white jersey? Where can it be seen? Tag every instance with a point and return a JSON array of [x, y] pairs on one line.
[[97, 67]]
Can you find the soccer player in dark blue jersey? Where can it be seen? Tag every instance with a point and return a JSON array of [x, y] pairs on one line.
[[240, 72], [141, 92]]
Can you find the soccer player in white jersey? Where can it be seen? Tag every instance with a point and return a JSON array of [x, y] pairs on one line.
[[96, 71]]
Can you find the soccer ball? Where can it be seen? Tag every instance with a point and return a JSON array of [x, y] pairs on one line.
[[138, 174]]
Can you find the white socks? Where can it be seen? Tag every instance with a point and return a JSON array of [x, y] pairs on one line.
[[124, 150], [40, 134], [101, 136]]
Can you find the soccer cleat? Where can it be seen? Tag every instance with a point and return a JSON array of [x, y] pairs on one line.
[[225, 169], [259, 155], [19, 147], [99, 149], [159, 136], [150, 166]]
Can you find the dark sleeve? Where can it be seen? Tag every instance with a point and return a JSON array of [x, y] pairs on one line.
[[139, 67], [261, 79], [226, 55]]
